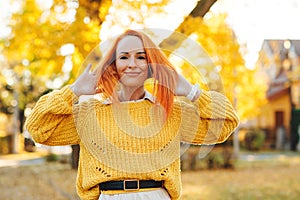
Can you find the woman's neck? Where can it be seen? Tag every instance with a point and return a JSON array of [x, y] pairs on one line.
[[129, 94]]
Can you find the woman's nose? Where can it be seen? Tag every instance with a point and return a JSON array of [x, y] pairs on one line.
[[132, 63]]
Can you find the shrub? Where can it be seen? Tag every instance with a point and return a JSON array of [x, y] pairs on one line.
[[218, 158], [254, 139], [52, 157]]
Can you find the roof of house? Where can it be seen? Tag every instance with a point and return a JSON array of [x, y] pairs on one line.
[[278, 46], [280, 85]]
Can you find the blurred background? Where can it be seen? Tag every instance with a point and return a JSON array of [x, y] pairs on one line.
[[252, 50]]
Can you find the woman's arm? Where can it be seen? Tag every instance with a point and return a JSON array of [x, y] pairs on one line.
[[210, 119], [51, 121]]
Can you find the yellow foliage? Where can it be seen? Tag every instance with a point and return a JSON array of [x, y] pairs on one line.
[[38, 35], [96, 10], [219, 41], [35, 43]]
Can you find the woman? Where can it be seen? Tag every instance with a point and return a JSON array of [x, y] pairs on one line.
[[130, 142]]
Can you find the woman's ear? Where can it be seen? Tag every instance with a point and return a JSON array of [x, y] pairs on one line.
[[150, 72]]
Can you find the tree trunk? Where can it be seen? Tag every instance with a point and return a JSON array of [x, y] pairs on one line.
[[175, 40], [75, 156], [16, 125]]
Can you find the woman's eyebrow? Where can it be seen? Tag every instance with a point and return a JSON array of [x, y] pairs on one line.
[[123, 52], [140, 52]]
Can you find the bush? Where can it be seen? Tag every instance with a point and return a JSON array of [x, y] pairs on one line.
[[222, 159], [254, 139], [218, 158], [52, 157], [5, 144]]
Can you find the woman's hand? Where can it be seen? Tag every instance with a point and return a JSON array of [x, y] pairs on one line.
[[184, 87], [86, 83]]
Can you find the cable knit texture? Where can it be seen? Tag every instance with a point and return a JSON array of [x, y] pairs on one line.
[[129, 140]]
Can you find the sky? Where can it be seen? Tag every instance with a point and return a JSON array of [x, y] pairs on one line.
[[251, 20], [256, 20]]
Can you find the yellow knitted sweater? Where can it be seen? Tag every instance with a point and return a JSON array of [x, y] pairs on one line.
[[129, 140]]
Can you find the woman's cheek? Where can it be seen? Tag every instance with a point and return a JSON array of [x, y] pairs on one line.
[[120, 66]]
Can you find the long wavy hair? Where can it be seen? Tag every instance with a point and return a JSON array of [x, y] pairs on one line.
[[162, 71]]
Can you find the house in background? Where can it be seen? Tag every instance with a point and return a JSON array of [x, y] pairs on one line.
[[279, 62]]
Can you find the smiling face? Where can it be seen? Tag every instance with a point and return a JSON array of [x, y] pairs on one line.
[[131, 62]]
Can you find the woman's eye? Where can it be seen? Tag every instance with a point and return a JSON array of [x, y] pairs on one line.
[[141, 57], [122, 57]]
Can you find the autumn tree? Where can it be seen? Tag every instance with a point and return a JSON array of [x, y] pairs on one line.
[[45, 50], [240, 83], [224, 69]]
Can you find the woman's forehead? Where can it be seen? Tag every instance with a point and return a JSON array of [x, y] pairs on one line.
[[130, 44]]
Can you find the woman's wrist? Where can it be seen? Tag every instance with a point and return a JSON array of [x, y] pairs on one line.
[[73, 88], [194, 93], [198, 93]]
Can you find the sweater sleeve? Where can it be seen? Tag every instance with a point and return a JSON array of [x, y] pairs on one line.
[[51, 121], [209, 120]]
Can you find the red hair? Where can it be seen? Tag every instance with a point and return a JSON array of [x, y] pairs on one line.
[[163, 73]]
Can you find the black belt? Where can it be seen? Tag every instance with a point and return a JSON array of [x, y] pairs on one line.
[[130, 184]]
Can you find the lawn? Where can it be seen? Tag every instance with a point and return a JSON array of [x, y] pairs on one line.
[[277, 178], [272, 179]]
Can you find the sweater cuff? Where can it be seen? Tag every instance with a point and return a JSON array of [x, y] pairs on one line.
[[213, 105], [203, 103], [204, 98], [68, 95]]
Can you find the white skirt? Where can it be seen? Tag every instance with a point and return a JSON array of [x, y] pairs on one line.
[[159, 194]]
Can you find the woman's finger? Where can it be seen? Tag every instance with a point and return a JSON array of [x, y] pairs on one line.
[[88, 67]]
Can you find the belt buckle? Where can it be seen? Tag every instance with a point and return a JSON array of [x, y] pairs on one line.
[[131, 185]]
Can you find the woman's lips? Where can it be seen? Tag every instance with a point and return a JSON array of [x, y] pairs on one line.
[[132, 73]]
